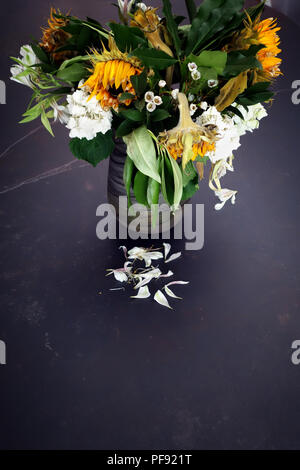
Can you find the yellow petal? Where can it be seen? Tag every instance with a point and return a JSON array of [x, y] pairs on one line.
[[106, 73], [119, 74], [113, 69]]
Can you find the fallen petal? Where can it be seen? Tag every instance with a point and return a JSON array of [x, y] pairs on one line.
[[143, 293], [167, 248], [120, 276], [123, 247], [169, 274], [161, 299], [177, 282], [173, 257], [170, 293]]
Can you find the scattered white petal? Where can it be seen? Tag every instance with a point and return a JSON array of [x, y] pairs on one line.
[[177, 282], [173, 257], [117, 288], [167, 248], [161, 299], [170, 293], [169, 274], [120, 276], [124, 248], [143, 293]]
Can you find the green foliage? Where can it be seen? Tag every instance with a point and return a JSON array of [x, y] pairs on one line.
[[153, 58], [128, 38], [125, 128], [140, 188], [127, 177], [73, 73], [172, 25], [212, 16], [191, 8], [140, 148], [239, 61], [189, 181], [257, 93], [95, 150], [139, 83]]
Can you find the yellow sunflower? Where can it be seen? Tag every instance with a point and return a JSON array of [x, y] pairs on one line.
[[261, 32], [188, 140], [54, 37], [111, 74]]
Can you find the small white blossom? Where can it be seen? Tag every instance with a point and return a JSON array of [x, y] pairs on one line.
[[203, 105], [251, 117], [193, 109], [149, 96], [151, 107], [142, 6], [174, 93], [28, 58], [157, 100], [192, 66], [196, 75], [60, 113], [162, 83], [87, 117], [224, 195], [191, 97], [125, 6], [212, 83]]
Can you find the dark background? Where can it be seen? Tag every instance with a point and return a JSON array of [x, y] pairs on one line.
[[94, 371]]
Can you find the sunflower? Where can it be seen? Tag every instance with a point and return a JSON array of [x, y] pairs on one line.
[[111, 74], [188, 140], [265, 33], [54, 37]]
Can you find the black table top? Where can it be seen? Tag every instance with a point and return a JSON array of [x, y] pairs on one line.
[[104, 371]]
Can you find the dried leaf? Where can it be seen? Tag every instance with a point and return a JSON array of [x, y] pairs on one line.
[[234, 87], [143, 293], [161, 299]]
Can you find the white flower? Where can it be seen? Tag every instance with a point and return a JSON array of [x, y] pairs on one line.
[[193, 109], [212, 83], [87, 117], [149, 96], [142, 6], [174, 93], [60, 113], [203, 105], [151, 107], [192, 66], [228, 136], [28, 58], [196, 75], [251, 119], [162, 83], [157, 100], [224, 195], [191, 97], [221, 168], [125, 6]]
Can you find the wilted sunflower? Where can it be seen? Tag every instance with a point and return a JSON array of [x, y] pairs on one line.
[[260, 32], [188, 140], [54, 37], [111, 74]]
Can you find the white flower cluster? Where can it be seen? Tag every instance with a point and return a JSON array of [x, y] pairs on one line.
[[195, 73], [152, 101], [27, 59], [86, 117], [229, 131]]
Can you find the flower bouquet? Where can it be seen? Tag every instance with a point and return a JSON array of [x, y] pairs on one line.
[[179, 94]]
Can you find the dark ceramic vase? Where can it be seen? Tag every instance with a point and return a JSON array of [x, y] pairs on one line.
[[116, 188]]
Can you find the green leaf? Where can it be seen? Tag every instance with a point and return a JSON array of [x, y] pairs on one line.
[[95, 150], [212, 17], [167, 181], [191, 8], [73, 73], [153, 191], [141, 149], [125, 128], [188, 173], [127, 177], [40, 53], [139, 83], [177, 177], [140, 188], [46, 123], [127, 38], [190, 189], [153, 58], [238, 62], [255, 98], [80, 58], [159, 115], [172, 25], [133, 115], [126, 96], [212, 59]]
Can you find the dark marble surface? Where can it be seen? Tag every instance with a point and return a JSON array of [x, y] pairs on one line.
[[102, 371]]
